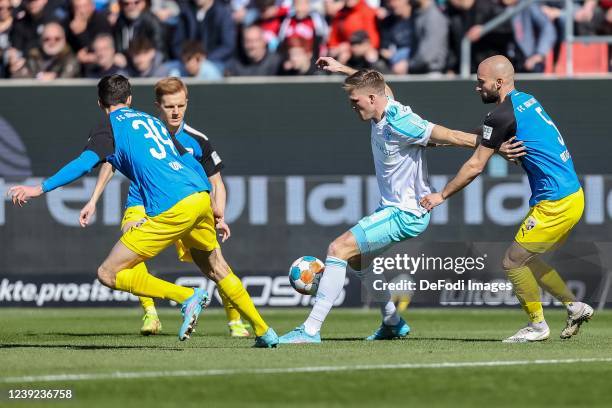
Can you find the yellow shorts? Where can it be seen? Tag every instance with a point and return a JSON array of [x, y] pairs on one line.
[[189, 223], [549, 223], [133, 214]]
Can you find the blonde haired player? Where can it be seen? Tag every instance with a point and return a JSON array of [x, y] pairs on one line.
[[175, 193], [171, 99], [398, 137]]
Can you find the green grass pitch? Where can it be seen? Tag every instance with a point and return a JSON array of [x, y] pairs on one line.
[[99, 342]]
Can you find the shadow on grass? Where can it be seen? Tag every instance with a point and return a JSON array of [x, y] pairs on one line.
[[87, 347], [130, 334], [464, 340]]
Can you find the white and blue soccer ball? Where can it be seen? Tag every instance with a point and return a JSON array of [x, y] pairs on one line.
[[305, 273]]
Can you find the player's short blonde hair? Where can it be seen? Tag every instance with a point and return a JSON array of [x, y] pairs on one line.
[[365, 78], [169, 86]]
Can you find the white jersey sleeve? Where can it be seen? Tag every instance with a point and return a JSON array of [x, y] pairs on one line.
[[406, 124]]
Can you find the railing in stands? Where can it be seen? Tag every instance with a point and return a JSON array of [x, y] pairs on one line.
[[570, 38]]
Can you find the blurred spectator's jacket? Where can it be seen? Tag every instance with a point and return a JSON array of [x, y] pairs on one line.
[[147, 25], [430, 40], [217, 31], [349, 20], [64, 65]]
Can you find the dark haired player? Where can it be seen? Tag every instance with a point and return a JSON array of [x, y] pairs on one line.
[[174, 189]]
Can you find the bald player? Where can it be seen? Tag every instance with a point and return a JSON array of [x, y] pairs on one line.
[[556, 202]]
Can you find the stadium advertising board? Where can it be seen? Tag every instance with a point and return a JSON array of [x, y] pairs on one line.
[[297, 176]]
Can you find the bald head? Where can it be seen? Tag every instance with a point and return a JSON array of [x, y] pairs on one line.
[[495, 79], [498, 66]]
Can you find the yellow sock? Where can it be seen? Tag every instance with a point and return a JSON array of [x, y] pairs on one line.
[[147, 304], [141, 283], [238, 296], [550, 281], [527, 292], [231, 312]]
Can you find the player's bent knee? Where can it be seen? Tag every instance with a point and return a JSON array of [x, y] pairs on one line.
[[336, 249], [106, 276]]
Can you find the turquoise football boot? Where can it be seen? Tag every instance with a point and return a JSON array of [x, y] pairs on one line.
[[385, 332], [268, 340], [299, 336], [191, 309]]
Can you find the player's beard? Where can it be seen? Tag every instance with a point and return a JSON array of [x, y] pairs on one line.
[[490, 96]]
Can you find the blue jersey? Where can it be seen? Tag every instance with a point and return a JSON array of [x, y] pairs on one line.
[[195, 143], [139, 146], [548, 163]]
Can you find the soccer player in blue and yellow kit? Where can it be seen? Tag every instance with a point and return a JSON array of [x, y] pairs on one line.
[[175, 194], [557, 199], [171, 99]]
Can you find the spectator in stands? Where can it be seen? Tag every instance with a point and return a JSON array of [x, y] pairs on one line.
[[6, 25], [306, 24], [534, 38], [430, 38], [193, 63], [466, 17], [331, 8], [606, 25], [29, 25], [594, 17], [298, 57], [257, 60], [103, 48], [83, 25], [363, 53], [53, 59], [210, 22], [356, 15], [146, 61], [396, 36], [267, 14], [167, 11], [136, 20]]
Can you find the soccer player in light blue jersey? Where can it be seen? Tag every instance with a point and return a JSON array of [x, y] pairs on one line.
[[557, 200]]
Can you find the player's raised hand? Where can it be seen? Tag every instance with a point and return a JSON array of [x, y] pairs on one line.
[[223, 229], [21, 194], [431, 200], [512, 149], [87, 214], [329, 64]]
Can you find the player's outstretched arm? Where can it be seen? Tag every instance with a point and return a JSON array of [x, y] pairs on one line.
[[468, 172], [441, 135], [87, 212], [219, 198], [69, 173], [510, 150], [329, 64]]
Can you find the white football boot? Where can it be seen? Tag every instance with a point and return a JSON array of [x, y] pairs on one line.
[[581, 313], [530, 333]]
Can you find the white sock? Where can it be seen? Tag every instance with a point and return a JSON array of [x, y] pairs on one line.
[[330, 287], [540, 326], [390, 317], [573, 307]]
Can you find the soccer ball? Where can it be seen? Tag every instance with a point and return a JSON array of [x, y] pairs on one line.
[[305, 273]]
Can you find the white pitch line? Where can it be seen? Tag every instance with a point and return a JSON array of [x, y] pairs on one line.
[[218, 372]]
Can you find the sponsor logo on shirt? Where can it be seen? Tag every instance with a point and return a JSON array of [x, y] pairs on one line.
[[387, 134], [215, 157]]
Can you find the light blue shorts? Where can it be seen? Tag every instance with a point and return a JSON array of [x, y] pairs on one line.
[[376, 232]]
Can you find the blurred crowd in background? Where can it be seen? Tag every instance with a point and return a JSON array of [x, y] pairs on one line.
[[210, 39]]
